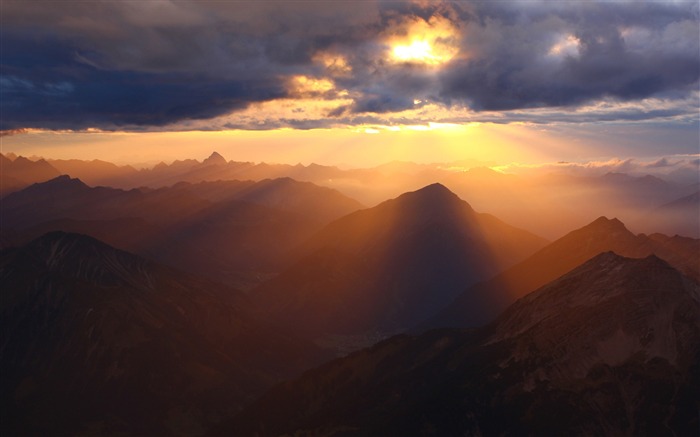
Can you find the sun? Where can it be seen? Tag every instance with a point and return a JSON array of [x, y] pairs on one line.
[[433, 42], [419, 51]]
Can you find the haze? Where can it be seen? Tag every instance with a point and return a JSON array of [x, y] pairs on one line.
[[360, 218]]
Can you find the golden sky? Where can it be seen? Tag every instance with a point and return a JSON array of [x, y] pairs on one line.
[[353, 83]]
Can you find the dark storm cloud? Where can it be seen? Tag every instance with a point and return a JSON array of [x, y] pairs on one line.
[[626, 51], [135, 65], [50, 87]]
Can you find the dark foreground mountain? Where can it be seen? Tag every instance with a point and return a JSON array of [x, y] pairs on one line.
[[611, 348], [482, 302], [388, 267], [97, 341]]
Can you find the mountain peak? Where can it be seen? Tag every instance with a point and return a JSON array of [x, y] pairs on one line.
[[63, 181], [436, 187], [604, 277], [433, 190], [431, 197], [604, 223], [215, 158]]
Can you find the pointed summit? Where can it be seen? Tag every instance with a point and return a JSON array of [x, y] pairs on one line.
[[63, 183], [603, 223], [214, 159], [434, 189], [431, 197]]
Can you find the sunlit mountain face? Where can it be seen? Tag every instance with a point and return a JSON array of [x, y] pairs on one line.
[[349, 218]]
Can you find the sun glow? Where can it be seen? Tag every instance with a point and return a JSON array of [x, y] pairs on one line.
[[416, 51], [431, 42]]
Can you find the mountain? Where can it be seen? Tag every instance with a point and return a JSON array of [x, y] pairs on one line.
[[94, 172], [236, 242], [317, 203], [482, 302], [20, 172], [234, 232], [217, 168], [681, 215], [65, 197], [214, 159], [388, 267], [610, 348], [99, 341]]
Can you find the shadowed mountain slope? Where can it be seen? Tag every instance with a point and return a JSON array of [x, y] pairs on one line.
[[385, 268], [96, 340], [610, 348]]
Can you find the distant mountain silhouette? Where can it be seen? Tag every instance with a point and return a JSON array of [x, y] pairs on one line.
[[610, 348], [20, 172], [317, 203], [96, 340], [482, 302], [385, 268], [94, 172], [214, 159], [66, 197], [216, 168], [681, 215]]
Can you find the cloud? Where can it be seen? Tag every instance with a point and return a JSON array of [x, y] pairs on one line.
[[682, 169], [575, 55], [7, 133], [162, 64]]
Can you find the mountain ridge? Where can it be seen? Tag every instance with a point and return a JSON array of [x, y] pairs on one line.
[[555, 259]]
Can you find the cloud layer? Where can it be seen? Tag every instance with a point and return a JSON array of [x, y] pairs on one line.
[[257, 65]]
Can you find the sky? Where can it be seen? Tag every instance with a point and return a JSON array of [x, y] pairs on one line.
[[350, 82]]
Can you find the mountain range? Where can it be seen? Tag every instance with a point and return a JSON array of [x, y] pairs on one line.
[[610, 348], [523, 199], [177, 300]]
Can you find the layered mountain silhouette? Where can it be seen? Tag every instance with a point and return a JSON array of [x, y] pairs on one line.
[[95, 340], [216, 167], [94, 172], [482, 302], [319, 204], [610, 348], [17, 173], [388, 267], [230, 231], [524, 199]]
